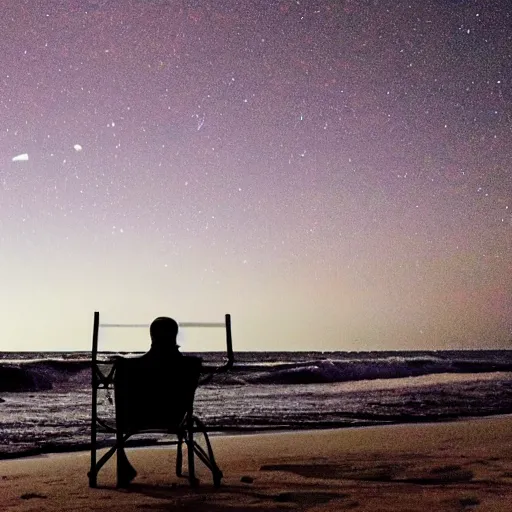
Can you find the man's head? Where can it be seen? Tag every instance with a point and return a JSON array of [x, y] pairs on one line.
[[163, 332]]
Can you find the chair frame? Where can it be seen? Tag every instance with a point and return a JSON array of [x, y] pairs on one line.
[[185, 433]]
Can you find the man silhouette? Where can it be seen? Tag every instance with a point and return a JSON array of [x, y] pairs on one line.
[[164, 349], [163, 354]]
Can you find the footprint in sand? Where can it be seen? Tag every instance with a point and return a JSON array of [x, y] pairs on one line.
[[333, 471], [440, 475], [32, 495], [308, 498], [434, 476]]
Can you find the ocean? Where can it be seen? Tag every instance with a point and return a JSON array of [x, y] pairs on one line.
[[45, 401]]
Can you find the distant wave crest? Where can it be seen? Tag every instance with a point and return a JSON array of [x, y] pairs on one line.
[[330, 371], [46, 374], [37, 375]]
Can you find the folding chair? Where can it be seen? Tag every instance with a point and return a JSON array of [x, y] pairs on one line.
[[151, 399]]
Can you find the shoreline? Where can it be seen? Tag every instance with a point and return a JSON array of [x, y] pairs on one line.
[[135, 443]]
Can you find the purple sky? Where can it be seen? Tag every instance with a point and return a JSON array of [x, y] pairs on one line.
[[335, 174]]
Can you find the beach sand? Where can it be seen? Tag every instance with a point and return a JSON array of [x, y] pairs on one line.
[[457, 466]]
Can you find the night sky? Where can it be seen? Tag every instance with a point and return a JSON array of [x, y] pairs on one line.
[[334, 174]]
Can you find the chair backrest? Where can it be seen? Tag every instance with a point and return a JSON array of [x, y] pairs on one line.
[[154, 395]]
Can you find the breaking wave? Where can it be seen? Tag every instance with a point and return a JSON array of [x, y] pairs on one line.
[[39, 375], [47, 374]]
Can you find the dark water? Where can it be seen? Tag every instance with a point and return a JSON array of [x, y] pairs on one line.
[[47, 397]]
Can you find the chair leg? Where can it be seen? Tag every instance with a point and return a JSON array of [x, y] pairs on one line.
[[120, 448], [217, 479], [125, 471], [209, 462], [190, 452], [208, 457], [93, 474], [179, 457]]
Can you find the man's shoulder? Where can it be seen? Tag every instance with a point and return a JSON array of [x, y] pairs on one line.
[[166, 358]]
